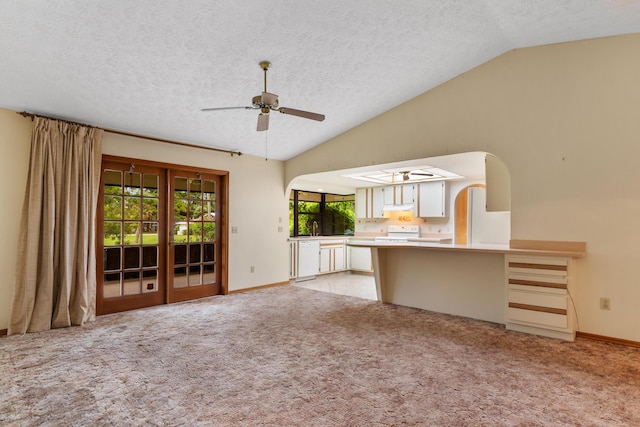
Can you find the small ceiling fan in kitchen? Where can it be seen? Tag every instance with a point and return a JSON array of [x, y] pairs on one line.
[[406, 175], [267, 102]]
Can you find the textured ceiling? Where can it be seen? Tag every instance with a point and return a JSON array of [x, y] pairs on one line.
[[149, 66]]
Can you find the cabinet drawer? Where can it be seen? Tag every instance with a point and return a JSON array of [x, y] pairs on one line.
[[537, 318], [538, 299]]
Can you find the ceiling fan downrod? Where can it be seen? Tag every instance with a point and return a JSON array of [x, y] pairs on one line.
[[265, 66]]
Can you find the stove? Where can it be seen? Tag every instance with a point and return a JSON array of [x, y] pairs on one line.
[[400, 233]]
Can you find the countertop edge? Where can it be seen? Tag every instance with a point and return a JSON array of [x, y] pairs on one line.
[[485, 248]]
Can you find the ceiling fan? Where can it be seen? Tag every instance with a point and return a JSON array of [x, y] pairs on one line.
[[267, 102], [406, 175]]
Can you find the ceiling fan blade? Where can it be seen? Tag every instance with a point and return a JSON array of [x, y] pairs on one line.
[[300, 113], [421, 174], [227, 108], [263, 122]]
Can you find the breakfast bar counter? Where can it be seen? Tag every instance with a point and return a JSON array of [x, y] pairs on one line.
[[527, 285]]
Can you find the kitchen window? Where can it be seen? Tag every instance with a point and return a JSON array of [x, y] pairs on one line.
[[321, 214]]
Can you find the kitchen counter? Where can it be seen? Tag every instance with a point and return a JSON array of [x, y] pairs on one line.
[[574, 251], [463, 280]]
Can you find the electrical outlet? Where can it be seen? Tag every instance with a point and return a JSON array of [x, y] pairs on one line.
[[252, 269], [605, 304]]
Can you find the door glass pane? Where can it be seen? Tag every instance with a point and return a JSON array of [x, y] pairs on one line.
[[209, 252], [195, 210], [209, 190], [149, 281], [180, 254], [194, 253], [132, 208], [112, 233], [195, 232], [112, 207], [132, 257], [208, 273], [209, 229], [150, 209], [150, 233], [195, 189], [150, 256], [132, 183], [111, 259], [131, 283], [132, 233], [180, 188], [150, 185], [194, 275], [180, 277], [111, 285], [112, 182]]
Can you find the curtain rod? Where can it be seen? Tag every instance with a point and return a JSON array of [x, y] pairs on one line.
[[150, 138]]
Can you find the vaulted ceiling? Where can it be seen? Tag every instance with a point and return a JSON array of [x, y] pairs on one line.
[[150, 66]]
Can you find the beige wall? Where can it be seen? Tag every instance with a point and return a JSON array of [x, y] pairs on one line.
[[15, 138], [564, 119], [256, 203]]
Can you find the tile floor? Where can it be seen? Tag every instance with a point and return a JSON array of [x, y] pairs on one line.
[[346, 283]]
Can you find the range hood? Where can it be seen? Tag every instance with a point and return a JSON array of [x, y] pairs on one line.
[[401, 207]]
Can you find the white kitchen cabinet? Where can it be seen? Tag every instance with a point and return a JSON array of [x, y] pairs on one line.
[[399, 194], [363, 203], [539, 296], [293, 259], [377, 202], [432, 199], [360, 259], [369, 202], [332, 256]]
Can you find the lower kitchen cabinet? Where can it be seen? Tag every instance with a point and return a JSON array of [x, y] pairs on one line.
[[360, 259], [540, 296], [332, 256], [293, 259]]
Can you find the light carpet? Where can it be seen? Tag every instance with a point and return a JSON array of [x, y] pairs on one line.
[[289, 356]]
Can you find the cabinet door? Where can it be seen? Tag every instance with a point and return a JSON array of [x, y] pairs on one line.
[[389, 195], [325, 260], [377, 202], [362, 203], [408, 193], [432, 200], [360, 259], [339, 258]]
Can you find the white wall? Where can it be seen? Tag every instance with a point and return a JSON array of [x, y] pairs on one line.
[[257, 202], [564, 120]]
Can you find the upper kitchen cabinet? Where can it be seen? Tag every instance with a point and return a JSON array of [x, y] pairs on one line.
[[404, 194], [433, 199], [363, 204], [369, 202]]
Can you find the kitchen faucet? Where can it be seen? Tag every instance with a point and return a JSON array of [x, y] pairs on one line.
[[314, 228]]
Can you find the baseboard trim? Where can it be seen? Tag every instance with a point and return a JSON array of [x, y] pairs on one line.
[[3, 332], [255, 288], [609, 340]]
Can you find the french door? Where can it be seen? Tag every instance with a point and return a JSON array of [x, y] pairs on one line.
[[159, 233], [194, 240]]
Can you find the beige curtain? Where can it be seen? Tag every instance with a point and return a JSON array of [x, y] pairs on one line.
[[56, 278]]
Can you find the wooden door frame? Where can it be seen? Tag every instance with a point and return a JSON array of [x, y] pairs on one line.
[[462, 214], [222, 224]]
